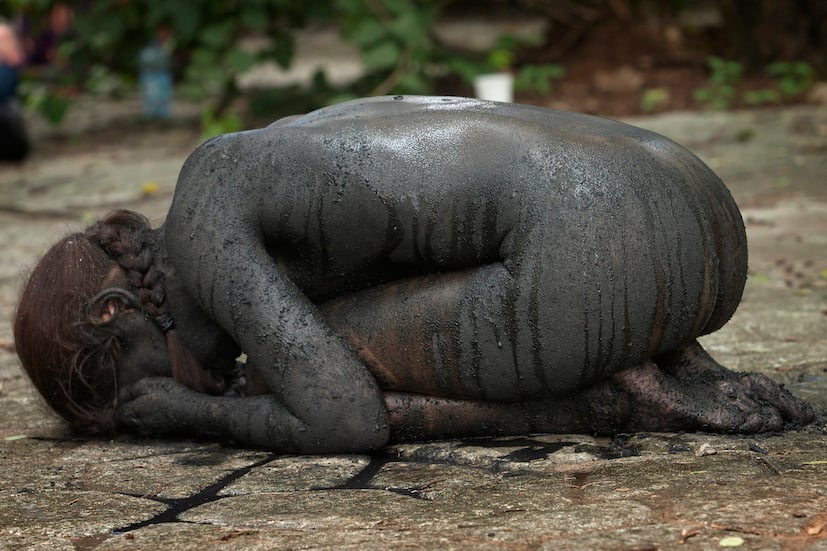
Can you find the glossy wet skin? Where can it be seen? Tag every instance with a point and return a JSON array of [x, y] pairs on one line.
[[686, 389], [430, 267]]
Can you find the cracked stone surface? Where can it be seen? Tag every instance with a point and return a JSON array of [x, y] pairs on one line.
[[638, 491]]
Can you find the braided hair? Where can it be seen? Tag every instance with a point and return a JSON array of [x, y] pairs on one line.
[[72, 356], [123, 236]]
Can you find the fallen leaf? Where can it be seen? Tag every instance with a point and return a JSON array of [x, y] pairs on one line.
[[150, 187], [814, 529], [731, 541]]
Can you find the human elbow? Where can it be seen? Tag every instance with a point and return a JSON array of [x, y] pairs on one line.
[[344, 432]]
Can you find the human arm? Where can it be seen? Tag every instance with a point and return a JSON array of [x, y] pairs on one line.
[[157, 406], [319, 392]]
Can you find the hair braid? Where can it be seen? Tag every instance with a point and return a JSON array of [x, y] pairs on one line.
[[125, 237]]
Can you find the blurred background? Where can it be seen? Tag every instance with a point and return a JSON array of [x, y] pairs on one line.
[[225, 65]]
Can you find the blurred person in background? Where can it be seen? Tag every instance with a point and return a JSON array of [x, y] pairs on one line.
[[14, 144], [42, 40]]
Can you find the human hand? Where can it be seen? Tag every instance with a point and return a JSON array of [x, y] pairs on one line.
[[156, 405]]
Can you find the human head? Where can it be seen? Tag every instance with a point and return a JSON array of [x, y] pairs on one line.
[[68, 333], [69, 359]]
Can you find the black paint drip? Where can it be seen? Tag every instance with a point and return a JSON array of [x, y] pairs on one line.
[[528, 450], [176, 506]]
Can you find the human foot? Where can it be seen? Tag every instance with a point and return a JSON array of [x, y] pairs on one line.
[[688, 390]]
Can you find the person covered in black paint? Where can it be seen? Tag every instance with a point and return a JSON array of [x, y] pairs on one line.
[[405, 268]]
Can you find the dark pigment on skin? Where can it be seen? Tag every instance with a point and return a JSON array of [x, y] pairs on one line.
[[404, 268]]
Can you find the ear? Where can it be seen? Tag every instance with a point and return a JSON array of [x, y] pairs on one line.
[[107, 305]]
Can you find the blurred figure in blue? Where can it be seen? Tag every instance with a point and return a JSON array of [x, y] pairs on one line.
[[14, 144], [156, 77]]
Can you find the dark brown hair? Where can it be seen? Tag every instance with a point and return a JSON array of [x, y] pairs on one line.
[[70, 356]]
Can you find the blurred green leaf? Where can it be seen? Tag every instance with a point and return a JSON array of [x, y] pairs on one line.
[[213, 125], [793, 77], [368, 32], [653, 98], [54, 108], [413, 83], [538, 78], [382, 56], [255, 19], [239, 61], [217, 35]]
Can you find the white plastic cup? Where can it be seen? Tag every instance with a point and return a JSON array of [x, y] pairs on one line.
[[495, 87]]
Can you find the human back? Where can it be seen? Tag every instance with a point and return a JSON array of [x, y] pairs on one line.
[[619, 245]]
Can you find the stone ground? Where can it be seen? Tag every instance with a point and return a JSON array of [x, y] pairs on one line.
[[639, 491]]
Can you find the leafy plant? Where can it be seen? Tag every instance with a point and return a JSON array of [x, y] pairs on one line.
[[213, 124], [793, 77], [38, 97], [503, 53], [502, 57], [395, 40], [538, 78], [212, 41], [205, 37], [723, 79], [761, 97], [653, 98]]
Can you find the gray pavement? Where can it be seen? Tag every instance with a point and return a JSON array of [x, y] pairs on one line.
[[641, 491]]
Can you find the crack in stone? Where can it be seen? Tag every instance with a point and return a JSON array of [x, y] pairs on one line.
[[529, 450], [362, 480], [176, 506]]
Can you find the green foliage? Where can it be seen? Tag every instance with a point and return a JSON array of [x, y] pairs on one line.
[[398, 47], [205, 38], [213, 124], [38, 98], [793, 77], [503, 54], [501, 57], [724, 71], [212, 41], [761, 97], [537, 78], [395, 39], [723, 79], [653, 98]]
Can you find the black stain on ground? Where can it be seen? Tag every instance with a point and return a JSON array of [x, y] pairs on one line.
[[527, 450], [176, 506]]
